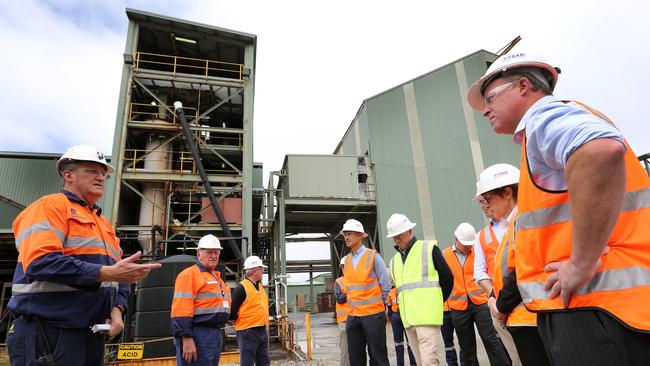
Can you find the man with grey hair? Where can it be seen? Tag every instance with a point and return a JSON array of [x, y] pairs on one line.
[[70, 274], [581, 235]]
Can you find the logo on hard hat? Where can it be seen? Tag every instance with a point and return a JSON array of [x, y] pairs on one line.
[[516, 55], [100, 155]]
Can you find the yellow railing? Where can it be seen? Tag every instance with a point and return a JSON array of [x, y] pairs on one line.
[[151, 111], [188, 65], [178, 162]]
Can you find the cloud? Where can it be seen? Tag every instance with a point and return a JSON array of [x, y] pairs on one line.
[[316, 62]]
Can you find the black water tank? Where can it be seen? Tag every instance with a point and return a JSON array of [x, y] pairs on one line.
[[153, 306]]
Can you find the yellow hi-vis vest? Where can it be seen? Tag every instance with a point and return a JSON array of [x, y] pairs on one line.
[[418, 289]]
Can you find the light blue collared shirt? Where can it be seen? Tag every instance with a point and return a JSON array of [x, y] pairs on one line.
[[554, 130], [379, 271]]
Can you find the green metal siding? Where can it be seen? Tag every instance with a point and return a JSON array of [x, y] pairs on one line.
[[24, 180], [447, 153], [333, 176]]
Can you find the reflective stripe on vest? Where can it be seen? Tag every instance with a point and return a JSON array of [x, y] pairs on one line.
[[519, 316], [81, 242], [489, 248], [254, 311], [465, 287], [418, 290], [342, 310], [363, 290], [544, 235], [46, 286], [39, 227]]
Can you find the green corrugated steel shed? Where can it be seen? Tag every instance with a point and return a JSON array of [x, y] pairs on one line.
[[427, 146], [25, 177]]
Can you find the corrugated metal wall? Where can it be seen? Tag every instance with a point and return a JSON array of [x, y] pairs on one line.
[[427, 147], [24, 180]]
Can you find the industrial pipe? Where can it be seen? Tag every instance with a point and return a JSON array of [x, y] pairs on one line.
[[178, 109]]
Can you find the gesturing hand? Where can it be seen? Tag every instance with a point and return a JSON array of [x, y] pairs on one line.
[[126, 270]]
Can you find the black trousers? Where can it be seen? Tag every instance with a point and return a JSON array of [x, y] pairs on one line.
[[367, 330], [464, 325], [447, 330], [529, 346], [592, 337]]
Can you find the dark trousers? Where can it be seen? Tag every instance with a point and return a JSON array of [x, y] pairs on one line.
[[464, 325], [592, 337], [69, 346], [398, 338], [367, 330], [447, 330], [208, 341], [529, 346], [253, 346]]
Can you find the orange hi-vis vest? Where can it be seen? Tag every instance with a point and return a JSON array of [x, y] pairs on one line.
[[489, 244], [445, 306], [543, 234], [342, 309], [505, 264], [201, 297], [364, 292], [254, 311], [464, 285], [392, 300]]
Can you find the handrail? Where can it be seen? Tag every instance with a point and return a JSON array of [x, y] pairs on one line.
[[184, 161], [189, 65], [152, 111]]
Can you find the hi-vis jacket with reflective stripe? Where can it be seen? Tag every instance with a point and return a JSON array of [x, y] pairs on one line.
[[254, 311], [505, 264], [464, 285], [364, 292], [62, 244], [392, 300], [489, 243], [418, 287], [543, 234], [342, 309], [200, 298]]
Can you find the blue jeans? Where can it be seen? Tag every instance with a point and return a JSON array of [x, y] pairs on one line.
[[398, 338], [253, 346], [69, 346], [208, 341]]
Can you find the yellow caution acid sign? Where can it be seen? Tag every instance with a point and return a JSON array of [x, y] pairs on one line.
[[130, 351]]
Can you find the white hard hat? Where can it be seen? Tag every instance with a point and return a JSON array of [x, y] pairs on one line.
[[496, 176], [83, 153], [505, 63], [466, 234], [353, 225], [342, 261], [397, 224], [253, 262], [209, 242]]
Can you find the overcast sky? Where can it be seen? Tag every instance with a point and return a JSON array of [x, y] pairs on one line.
[[317, 61]]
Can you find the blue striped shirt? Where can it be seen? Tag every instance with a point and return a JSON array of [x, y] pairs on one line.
[[554, 130]]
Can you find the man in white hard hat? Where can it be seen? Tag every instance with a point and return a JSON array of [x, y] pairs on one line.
[[201, 308], [496, 191], [468, 301], [342, 308], [250, 315], [421, 291], [70, 273], [367, 284], [582, 238]]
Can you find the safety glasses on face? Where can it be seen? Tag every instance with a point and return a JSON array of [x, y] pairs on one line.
[[486, 198], [94, 173], [489, 97]]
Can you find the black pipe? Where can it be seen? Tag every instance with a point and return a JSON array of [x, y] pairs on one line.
[[204, 179]]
